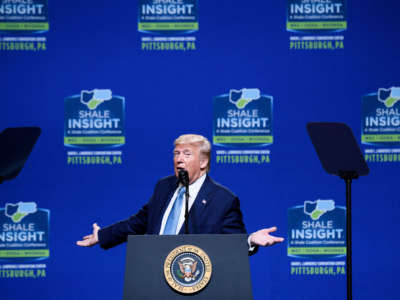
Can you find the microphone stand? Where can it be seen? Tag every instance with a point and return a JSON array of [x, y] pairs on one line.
[[184, 179], [187, 208]]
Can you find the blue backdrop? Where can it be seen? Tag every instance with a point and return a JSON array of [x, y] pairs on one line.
[[96, 44]]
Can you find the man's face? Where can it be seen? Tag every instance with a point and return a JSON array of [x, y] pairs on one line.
[[188, 157]]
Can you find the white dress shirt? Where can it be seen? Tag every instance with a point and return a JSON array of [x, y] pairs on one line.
[[194, 189]]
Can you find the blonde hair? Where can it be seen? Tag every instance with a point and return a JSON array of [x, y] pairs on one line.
[[200, 141]]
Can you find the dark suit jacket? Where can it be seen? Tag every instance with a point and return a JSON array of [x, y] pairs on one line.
[[219, 213]]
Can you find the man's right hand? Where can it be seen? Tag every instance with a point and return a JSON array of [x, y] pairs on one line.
[[91, 239]]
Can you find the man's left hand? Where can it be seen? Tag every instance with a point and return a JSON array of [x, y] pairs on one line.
[[263, 238]]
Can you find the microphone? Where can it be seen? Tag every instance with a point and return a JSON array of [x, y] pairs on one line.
[[183, 177]]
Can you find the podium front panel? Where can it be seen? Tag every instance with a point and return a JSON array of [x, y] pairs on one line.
[[228, 253]]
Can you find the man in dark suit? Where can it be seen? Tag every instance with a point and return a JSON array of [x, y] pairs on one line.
[[212, 207]]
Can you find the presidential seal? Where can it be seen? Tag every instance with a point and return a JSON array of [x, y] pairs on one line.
[[187, 269]]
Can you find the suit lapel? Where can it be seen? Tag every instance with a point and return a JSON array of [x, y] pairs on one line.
[[199, 205]]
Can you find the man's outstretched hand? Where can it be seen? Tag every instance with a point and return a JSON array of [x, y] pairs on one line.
[[91, 239], [263, 238]]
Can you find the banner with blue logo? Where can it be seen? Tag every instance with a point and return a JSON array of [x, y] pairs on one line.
[[23, 25], [314, 24], [381, 125], [243, 126], [24, 240], [168, 25], [95, 121]]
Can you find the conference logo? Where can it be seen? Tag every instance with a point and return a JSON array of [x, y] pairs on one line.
[[380, 125], [242, 118], [94, 119], [24, 232], [243, 127], [163, 17], [315, 209], [313, 20], [316, 16], [21, 21], [316, 229], [187, 269], [381, 117], [24, 16], [168, 25], [94, 125]]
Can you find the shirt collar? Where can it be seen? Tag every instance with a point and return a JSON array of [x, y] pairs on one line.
[[195, 187]]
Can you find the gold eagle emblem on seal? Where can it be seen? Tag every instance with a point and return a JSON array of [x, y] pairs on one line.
[[187, 269]]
